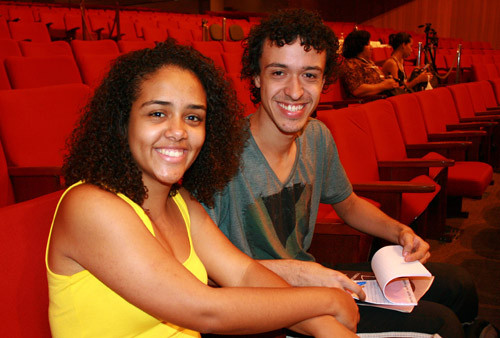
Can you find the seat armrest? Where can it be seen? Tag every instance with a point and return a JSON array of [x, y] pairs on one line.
[[472, 125], [416, 163], [393, 187], [456, 134], [480, 118], [488, 112]]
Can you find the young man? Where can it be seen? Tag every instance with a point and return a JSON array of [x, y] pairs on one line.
[[290, 165]]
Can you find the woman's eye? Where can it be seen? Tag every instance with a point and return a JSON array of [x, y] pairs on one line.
[[193, 118]]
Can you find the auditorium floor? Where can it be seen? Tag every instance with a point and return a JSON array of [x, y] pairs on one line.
[[478, 249]]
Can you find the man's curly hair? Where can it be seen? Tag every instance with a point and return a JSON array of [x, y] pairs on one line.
[[99, 152], [285, 27]]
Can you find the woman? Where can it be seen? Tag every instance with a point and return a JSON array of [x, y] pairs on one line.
[[360, 76], [130, 249], [402, 45]]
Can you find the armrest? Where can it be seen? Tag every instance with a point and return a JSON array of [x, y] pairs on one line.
[[346, 101], [393, 187], [480, 118], [439, 145], [410, 168], [31, 182], [331, 105], [416, 163], [369, 98], [456, 134], [493, 108], [488, 112], [470, 125], [456, 150]]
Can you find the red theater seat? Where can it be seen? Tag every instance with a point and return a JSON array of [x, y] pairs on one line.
[[24, 297], [32, 31], [45, 48]]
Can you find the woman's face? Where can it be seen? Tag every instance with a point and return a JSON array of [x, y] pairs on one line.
[[167, 125], [367, 52], [407, 48]]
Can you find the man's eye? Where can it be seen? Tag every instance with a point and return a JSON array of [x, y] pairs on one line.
[[157, 114], [310, 76], [278, 73]]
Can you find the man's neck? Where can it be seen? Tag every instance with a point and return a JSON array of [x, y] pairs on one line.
[[278, 148]]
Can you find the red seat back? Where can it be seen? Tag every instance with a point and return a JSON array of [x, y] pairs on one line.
[[387, 138], [410, 118], [6, 192], [45, 48], [462, 100], [40, 71], [24, 297], [33, 31], [34, 123], [352, 135]]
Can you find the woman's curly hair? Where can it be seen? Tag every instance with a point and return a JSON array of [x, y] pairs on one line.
[[354, 43], [285, 27], [99, 152]]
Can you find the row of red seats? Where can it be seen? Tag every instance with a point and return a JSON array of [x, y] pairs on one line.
[[30, 64], [377, 138]]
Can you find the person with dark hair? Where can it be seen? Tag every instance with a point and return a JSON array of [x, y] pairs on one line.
[[360, 76], [290, 165], [402, 44], [130, 250]]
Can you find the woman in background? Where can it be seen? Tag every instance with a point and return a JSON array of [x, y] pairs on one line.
[[360, 76], [402, 45]]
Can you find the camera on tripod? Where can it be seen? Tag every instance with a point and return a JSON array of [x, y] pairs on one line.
[[431, 37]]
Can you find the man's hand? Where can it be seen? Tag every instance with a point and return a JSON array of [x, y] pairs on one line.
[[414, 247], [302, 273]]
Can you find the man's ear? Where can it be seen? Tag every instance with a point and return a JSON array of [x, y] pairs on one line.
[[256, 81]]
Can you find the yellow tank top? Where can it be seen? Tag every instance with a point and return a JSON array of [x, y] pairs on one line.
[[81, 306]]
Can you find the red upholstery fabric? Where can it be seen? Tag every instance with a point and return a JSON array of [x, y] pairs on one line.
[[45, 48], [4, 29], [23, 289], [9, 47], [154, 34], [4, 79], [242, 92], [208, 46], [488, 94], [232, 46], [410, 119], [232, 62], [387, 138], [126, 46], [462, 100], [182, 36], [34, 123], [94, 67], [33, 31], [40, 71], [6, 192], [84, 47]]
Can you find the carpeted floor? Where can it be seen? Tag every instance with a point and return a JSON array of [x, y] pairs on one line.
[[478, 249]]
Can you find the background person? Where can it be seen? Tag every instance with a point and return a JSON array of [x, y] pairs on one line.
[[360, 76], [130, 249], [402, 48]]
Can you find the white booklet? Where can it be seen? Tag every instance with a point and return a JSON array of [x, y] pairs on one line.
[[398, 285]]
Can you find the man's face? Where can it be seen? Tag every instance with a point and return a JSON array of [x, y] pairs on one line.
[[290, 83]]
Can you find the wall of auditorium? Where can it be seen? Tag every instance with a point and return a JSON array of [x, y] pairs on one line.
[[476, 20]]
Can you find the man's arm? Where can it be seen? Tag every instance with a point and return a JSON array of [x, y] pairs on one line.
[[365, 217]]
